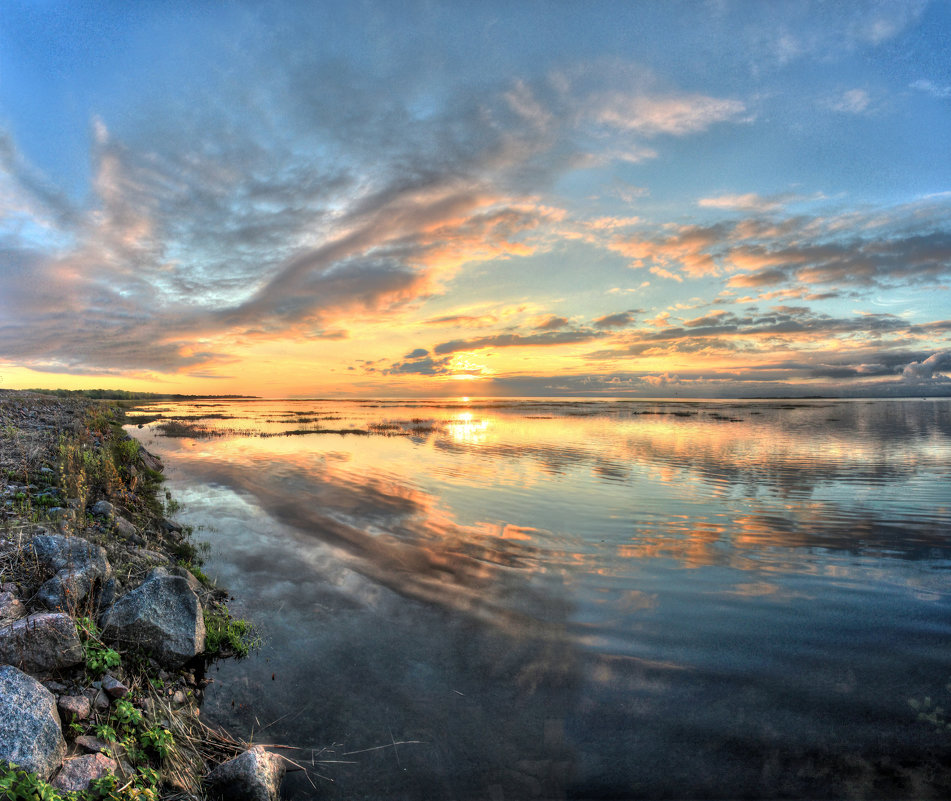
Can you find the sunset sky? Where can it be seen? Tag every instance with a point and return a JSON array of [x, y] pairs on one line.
[[695, 199]]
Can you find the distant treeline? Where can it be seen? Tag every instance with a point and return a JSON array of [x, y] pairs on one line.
[[124, 394]]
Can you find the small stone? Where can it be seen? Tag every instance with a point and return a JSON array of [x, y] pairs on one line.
[[179, 698], [114, 687], [93, 745], [74, 707], [11, 608], [254, 775], [125, 528], [98, 698], [78, 772], [103, 508]]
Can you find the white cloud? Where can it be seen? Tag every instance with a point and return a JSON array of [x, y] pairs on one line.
[[929, 369], [931, 88], [853, 101], [677, 115]]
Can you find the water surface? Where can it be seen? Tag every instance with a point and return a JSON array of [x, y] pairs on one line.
[[582, 599]]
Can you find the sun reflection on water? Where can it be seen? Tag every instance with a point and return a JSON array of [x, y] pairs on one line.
[[466, 429]]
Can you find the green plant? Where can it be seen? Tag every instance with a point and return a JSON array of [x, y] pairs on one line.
[[226, 634], [159, 740], [127, 715], [105, 732], [99, 657], [18, 785], [125, 451]]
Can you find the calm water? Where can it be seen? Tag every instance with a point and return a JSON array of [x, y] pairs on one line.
[[583, 599]]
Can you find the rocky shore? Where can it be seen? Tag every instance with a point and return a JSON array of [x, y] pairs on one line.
[[106, 621]]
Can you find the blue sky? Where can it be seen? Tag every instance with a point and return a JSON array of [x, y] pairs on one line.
[[677, 198]]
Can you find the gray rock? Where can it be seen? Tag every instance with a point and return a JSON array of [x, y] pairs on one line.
[[254, 775], [93, 745], [193, 583], [108, 595], [163, 616], [169, 526], [98, 698], [114, 687], [125, 528], [10, 608], [150, 556], [103, 508], [79, 567], [151, 461], [74, 707], [30, 734], [78, 772], [41, 643]]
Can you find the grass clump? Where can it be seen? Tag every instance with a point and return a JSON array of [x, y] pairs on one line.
[[227, 635]]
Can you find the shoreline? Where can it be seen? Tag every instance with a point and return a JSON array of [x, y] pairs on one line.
[[113, 685]]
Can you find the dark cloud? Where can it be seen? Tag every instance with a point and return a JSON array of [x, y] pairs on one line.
[[417, 354], [553, 323], [781, 327], [619, 320], [417, 366], [517, 340], [759, 278], [929, 369]]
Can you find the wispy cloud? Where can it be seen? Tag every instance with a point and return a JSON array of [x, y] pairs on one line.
[[941, 91], [852, 101]]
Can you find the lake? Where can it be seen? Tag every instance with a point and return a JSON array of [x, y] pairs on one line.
[[586, 599]]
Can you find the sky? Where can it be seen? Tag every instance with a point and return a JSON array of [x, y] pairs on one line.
[[662, 199]]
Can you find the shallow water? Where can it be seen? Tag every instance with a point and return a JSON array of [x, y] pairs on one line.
[[582, 599]]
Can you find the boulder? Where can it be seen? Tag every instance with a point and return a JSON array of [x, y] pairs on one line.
[[78, 772], [254, 775], [193, 583], [30, 734], [162, 615], [41, 643], [80, 567], [10, 608], [150, 460]]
